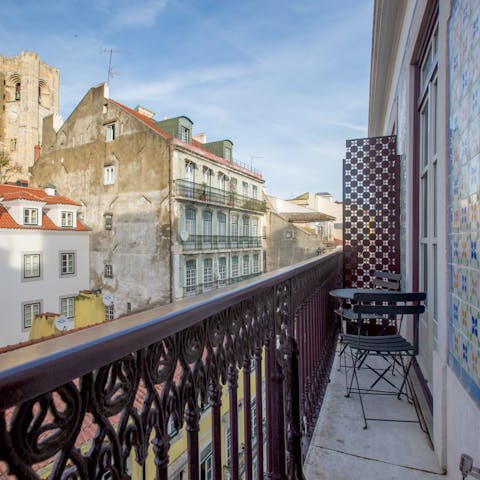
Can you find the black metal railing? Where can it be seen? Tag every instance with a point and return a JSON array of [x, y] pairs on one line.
[[200, 288], [197, 191], [208, 242], [124, 381]]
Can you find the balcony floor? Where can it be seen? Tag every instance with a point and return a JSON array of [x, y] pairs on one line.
[[342, 450]]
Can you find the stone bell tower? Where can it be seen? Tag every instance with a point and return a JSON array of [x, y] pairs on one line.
[[29, 91]]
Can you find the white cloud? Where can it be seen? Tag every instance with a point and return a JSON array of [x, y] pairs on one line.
[[137, 14]]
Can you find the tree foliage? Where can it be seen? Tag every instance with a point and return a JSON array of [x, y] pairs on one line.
[[8, 169]]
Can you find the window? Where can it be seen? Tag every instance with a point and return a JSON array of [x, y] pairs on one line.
[[13, 144], [221, 181], [245, 189], [222, 270], [109, 312], [18, 91], [256, 263], [254, 191], [206, 465], [129, 307], [234, 226], [67, 307], [233, 184], [30, 310], [235, 266], [222, 224], [31, 265], [109, 132], [190, 221], [227, 154], [189, 171], [108, 175], [30, 216], [246, 226], [207, 176], [108, 271], [67, 219], [108, 221], [207, 223], [190, 276], [245, 265], [207, 272], [67, 263], [184, 134], [255, 227]]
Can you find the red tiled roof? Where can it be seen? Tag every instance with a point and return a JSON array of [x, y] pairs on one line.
[[195, 146], [14, 192]]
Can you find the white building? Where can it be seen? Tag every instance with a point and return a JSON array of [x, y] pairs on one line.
[[44, 257]]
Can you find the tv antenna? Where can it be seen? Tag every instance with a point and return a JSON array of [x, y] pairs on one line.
[[110, 72]]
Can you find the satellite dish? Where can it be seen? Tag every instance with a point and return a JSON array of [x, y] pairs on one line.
[[184, 235], [61, 323], [107, 299]]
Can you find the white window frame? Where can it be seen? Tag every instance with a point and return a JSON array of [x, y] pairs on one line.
[[110, 132], [256, 263], [68, 264], [234, 225], [254, 192], [66, 219], [30, 216], [235, 266], [190, 276], [245, 189], [109, 174], [222, 224], [191, 221], [109, 312], [207, 223], [185, 134], [67, 306], [35, 308], [246, 226], [208, 272], [222, 270], [245, 265], [32, 266]]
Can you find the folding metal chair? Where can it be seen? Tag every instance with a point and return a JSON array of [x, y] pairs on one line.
[[395, 349]]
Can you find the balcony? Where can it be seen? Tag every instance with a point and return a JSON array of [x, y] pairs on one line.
[[90, 403], [192, 191], [220, 242]]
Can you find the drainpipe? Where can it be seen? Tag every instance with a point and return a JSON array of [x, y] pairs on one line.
[[170, 213]]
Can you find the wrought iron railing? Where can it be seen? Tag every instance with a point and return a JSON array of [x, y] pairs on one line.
[[197, 191], [124, 380], [208, 242]]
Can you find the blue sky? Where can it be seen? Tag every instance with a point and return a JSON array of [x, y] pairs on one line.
[[285, 80]]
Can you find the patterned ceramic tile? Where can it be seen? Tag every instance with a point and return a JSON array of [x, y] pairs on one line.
[[464, 214]]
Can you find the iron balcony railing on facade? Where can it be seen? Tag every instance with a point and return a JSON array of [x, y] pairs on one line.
[[209, 242], [197, 191], [199, 288], [82, 405]]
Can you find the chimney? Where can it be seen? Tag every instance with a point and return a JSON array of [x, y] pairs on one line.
[[200, 137], [50, 189], [36, 152], [144, 111]]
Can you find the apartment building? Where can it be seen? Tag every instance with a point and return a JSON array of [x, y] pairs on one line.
[[172, 215], [44, 250]]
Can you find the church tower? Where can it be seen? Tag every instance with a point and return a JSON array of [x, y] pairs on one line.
[[29, 91]]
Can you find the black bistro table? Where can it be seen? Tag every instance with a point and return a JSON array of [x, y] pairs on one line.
[[348, 293]]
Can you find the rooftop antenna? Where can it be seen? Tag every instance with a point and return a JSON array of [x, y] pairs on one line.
[[110, 72]]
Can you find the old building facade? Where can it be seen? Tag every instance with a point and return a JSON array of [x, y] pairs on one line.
[[29, 91], [170, 216]]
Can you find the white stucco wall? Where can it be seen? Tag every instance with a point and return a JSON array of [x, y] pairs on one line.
[[49, 287]]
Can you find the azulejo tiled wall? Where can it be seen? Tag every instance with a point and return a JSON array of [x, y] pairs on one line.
[[464, 192]]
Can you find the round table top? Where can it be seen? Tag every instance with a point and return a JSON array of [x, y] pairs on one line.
[[348, 293]]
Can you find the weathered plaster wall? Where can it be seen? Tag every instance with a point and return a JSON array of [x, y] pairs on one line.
[[138, 244]]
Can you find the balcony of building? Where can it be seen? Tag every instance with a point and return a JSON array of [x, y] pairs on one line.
[[198, 192], [220, 242], [244, 372]]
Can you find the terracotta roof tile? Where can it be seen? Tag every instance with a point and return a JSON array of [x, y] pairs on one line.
[[14, 192]]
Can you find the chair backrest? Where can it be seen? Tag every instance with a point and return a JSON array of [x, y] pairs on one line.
[[391, 304], [387, 280]]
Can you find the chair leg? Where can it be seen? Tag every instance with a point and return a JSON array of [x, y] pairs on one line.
[[356, 361]]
